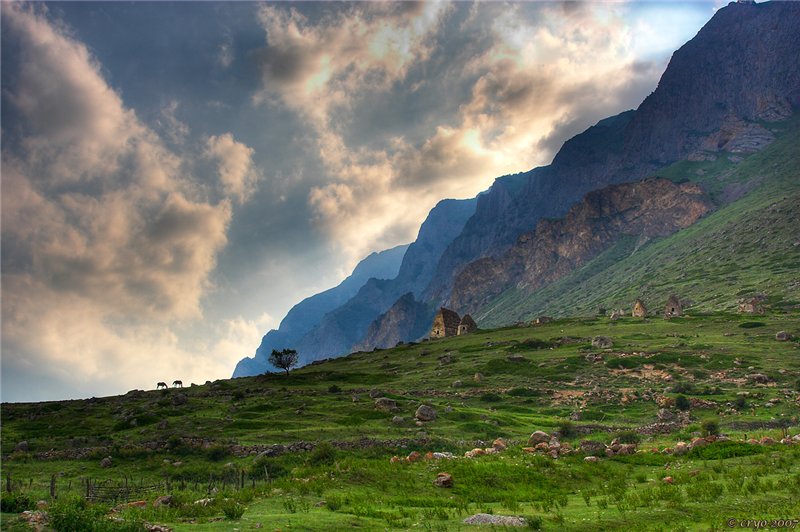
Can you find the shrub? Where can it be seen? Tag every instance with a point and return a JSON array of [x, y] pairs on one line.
[[265, 468], [524, 392], [629, 436], [741, 401], [751, 324], [323, 454], [566, 429], [217, 453], [334, 389], [233, 510], [682, 403], [491, 397], [709, 427], [238, 395], [682, 387], [16, 502]]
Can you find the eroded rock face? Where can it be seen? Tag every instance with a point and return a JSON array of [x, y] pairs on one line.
[[650, 208]]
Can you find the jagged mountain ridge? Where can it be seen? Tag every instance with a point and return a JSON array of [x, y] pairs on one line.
[[335, 331], [741, 64], [684, 114], [646, 209], [407, 319], [309, 312]]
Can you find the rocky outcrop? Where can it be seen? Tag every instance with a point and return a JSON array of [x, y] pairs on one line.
[[406, 320], [740, 68], [651, 208]]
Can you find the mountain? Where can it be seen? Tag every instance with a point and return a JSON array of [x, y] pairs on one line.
[[309, 312], [748, 245], [408, 319], [331, 323], [644, 210], [741, 66]]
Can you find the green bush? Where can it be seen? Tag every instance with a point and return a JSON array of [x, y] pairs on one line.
[[233, 510], [741, 401], [524, 392], [751, 324], [217, 453], [74, 514], [264, 468], [628, 436], [709, 427], [566, 429], [682, 387], [323, 454], [490, 397], [682, 403], [334, 389], [16, 502]]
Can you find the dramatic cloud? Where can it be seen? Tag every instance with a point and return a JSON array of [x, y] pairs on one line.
[[106, 239], [235, 165], [532, 80]]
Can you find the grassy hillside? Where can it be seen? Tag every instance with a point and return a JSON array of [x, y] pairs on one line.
[[750, 245], [198, 442]]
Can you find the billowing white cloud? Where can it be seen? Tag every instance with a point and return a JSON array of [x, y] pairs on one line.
[[234, 161], [108, 241], [533, 82]]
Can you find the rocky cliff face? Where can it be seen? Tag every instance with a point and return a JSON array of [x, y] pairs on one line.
[[650, 208], [741, 66], [304, 316], [406, 320]]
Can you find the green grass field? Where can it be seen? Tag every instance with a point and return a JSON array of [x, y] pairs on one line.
[[199, 439]]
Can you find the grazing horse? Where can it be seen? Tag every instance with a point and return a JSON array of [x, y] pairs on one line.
[[177, 384], [161, 385]]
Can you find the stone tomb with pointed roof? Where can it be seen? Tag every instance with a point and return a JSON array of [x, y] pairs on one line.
[[467, 325], [673, 307], [445, 323], [639, 310]]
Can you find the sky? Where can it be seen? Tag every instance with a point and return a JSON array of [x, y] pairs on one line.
[[175, 176]]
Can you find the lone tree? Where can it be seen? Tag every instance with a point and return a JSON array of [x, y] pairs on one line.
[[285, 359]]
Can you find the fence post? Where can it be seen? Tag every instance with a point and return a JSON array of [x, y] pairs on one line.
[[241, 479], [53, 486], [8, 482]]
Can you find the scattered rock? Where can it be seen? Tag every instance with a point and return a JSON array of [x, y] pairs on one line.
[[668, 480], [666, 415], [758, 378], [446, 359], [766, 440], [387, 405], [443, 480], [395, 459], [105, 462], [782, 336], [697, 442], [22, 446], [602, 342], [499, 444], [592, 447], [576, 416], [457, 384], [591, 459], [397, 420], [374, 394], [681, 448], [478, 377], [474, 452], [538, 437], [179, 399], [413, 456], [425, 413], [496, 520], [163, 424], [164, 500], [203, 502], [516, 358]]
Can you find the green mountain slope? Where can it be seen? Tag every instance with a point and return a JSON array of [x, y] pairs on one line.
[[747, 246]]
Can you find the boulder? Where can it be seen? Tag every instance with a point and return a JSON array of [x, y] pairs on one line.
[[164, 500], [387, 405], [538, 437], [374, 394], [782, 336], [425, 413], [105, 462], [591, 459], [697, 442], [758, 378], [413, 456], [766, 440], [499, 444], [22, 446], [516, 358], [443, 480], [397, 420], [681, 448], [495, 520], [602, 342], [457, 384], [576, 416], [478, 377], [474, 452], [179, 399]]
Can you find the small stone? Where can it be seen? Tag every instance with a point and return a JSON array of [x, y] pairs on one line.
[[495, 520], [425, 413], [443, 480], [387, 405], [602, 342], [681, 448], [591, 459], [397, 420], [538, 437], [478, 377], [22, 446], [164, 500], [782, 336], [105, 462]]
